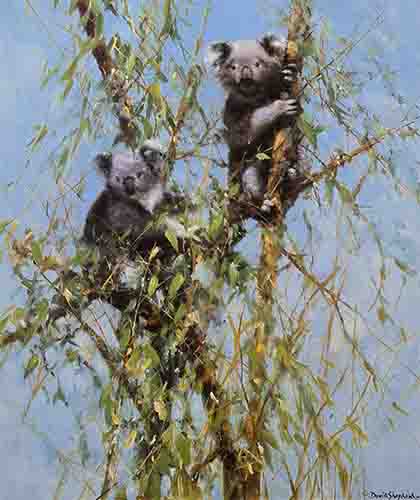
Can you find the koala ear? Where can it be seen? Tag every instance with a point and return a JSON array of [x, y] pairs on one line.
[[103, 162], [217, 53], [273, 45], [152, 145], [152, 153]]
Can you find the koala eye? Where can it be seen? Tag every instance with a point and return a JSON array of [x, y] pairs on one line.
[[140, 174], [257, 64], [117, 179], [151, 155], [233, 66]]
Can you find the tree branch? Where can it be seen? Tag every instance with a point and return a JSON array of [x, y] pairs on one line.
[[118, 87]]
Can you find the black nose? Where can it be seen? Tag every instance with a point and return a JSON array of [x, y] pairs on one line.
[[129, 185]]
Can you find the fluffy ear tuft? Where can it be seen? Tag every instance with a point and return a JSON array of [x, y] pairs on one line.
[[103, 162], [217, 53], [153, 154], [273, 45], [154, 145]]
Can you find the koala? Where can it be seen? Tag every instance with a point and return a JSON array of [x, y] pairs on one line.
[[256, 80], [123, 217]]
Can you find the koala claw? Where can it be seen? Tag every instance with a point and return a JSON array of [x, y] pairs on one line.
[[267, 205], [289, 73], [288, 106]]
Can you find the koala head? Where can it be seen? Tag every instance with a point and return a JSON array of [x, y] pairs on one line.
[[247, 67], [137, 176]]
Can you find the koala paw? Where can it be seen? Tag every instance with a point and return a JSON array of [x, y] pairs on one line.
[[267, 206], [289, 73], [288, 107]]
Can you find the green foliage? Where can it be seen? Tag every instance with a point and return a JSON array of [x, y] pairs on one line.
[[175, 374]]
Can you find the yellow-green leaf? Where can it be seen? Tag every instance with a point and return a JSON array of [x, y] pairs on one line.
[[151, 356], [154, 90], [36, 252], [175, 285], [160, 408], [381, 314], [130, 439], [167, 23], [180, 313], [42, 131], [31, 365], [216, 225], [153, 284], [262, 156], [183, 446], [131, 63], [4, 224], [173, 240]]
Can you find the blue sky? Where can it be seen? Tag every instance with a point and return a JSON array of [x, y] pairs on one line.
[[28, 465]]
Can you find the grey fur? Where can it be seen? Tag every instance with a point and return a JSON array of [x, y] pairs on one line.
[[256, 80], [123, 217]]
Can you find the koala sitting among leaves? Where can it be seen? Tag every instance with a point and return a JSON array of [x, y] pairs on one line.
[[256, 80], [124, 216]]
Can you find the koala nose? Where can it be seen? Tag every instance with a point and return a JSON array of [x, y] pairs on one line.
[[129, 185], [246, 73]]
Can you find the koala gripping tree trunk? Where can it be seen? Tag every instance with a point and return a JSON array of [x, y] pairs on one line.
[[285, 152]]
